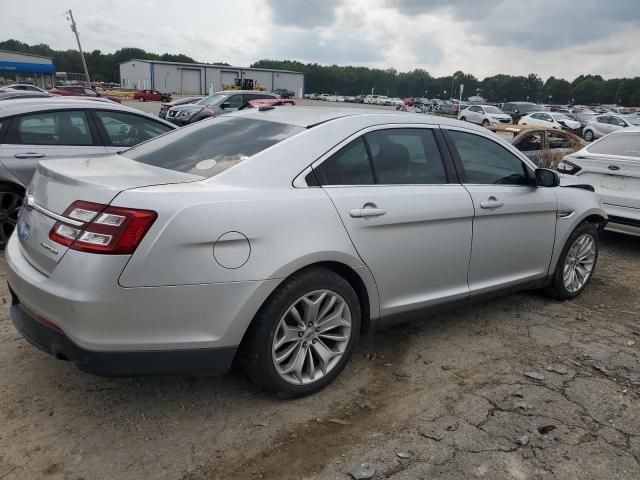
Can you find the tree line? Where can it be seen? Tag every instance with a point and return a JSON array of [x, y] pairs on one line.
[[349, 80]]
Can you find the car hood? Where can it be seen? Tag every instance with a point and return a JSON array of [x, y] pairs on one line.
[[189, 107], [499, 115], [570, 123]]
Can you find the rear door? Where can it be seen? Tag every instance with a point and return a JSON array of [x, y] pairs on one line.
[[601, 126], [514, 223], [47, 135], [408, 218]]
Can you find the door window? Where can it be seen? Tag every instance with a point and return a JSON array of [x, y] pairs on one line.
[[558, 140], [406, 156], [486, 162], [127, 130], [530, 143], [349, 166], [234, 101], [603, 119], [52, 128]]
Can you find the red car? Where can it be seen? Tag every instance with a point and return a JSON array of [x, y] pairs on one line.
[[271, 102], [151, 96], [80, 91]]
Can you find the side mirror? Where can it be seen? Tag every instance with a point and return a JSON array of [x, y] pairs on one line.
[[225, 105], [547, 178]]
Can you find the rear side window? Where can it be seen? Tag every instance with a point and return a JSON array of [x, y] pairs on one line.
[[623, 144], [127, 130], [349, 166], [406, 156], [211, 147], [52, 128], [485, 162]]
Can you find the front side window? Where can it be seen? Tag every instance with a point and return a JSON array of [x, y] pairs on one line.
[[52, 128], [234, 101], [349, 166], [485, 162], [558, 139], [127, 130], [406, 156], [91, 93], [211, 147], [530, 143]]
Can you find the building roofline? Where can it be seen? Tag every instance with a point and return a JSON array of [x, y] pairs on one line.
[[27, 54], [209, 65]]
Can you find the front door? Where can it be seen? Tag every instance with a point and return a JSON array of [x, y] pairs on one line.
[[409, 225], [514, 223]]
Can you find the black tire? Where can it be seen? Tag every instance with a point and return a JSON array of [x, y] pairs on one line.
[[557, 288], [141, 99], [588, 135], [464, 119], [485, 123], [255, 354], [11, 197]]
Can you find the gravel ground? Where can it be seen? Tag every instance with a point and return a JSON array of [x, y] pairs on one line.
[[519, 388]]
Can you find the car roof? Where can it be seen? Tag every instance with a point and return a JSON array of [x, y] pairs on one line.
[[17, 106], [309, 116]]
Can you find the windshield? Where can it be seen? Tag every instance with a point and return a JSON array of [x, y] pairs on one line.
[[211, 147], [529, 108], [633, 119], [492, 109], [622, 144], [214, 99]]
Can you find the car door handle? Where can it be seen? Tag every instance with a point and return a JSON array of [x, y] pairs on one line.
[[493, 202], [366, 212], [29, 155]]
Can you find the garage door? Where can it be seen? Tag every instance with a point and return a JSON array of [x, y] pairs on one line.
[[190, 81], [229, 78]]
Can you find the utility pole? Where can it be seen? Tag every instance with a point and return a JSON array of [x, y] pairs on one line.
[[74, 29]]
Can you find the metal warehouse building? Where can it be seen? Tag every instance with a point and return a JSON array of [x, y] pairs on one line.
[[201, 78], [25, 68]]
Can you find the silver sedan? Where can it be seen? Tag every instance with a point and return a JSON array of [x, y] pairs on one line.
[[275, 237]]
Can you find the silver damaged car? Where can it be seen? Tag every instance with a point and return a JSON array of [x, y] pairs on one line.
[[276, 237]]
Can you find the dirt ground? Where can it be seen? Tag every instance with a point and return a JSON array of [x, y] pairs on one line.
[[464, 395]]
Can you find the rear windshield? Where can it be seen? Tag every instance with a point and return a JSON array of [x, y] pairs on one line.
[[624, 144], [212, 146]]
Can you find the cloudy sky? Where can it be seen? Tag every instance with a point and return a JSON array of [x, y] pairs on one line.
[[550, 37]]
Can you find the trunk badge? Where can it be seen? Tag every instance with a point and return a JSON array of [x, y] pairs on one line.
[[46, 246], [614, 167]]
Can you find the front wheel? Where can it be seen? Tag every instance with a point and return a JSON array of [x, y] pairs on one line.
[[304, 334], [141, 99], [464, 119], [11, 197], [485, 123], [588, 136], [576, 264]]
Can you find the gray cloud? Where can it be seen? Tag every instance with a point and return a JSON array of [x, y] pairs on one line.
[[309, 13], [542, 25]]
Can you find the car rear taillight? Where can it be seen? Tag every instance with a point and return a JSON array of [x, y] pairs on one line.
[[567, 167], [105, 229]]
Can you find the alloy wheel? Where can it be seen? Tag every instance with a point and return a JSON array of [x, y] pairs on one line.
[[10, 203], [578, 266], [311, 337]]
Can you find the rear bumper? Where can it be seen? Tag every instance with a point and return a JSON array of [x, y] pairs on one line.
[[120, 363]]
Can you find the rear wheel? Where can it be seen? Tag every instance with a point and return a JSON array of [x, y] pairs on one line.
[[588, 135], [11, 197], [141, 99], [304, 334], [576, 264]]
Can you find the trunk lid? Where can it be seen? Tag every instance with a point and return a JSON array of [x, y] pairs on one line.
[[616, 179], [58, 183]]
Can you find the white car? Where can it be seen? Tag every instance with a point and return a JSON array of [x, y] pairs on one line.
[[612, 166], [602, 125], [371, 99], [551, 119], [484, 115], [383, 100], [24, 87]]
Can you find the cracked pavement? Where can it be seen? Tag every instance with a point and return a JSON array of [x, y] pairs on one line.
[[446, 398]]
